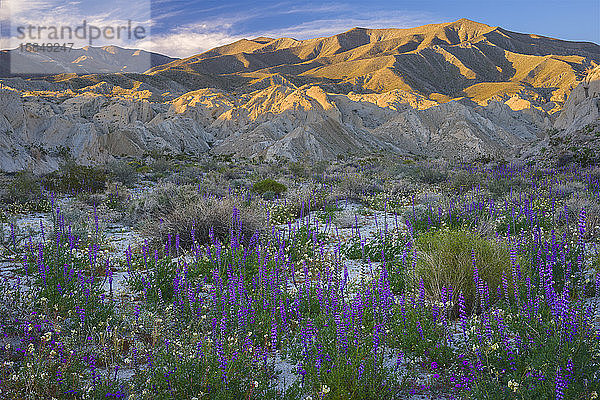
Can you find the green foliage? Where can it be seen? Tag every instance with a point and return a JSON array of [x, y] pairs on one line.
[[445, 258], [303, 244], [67, 284], [281, 213], [532, 372], [388, 247], [269, 185], [24, 187], [73, 178], [123, 172], [156, 282], [298, 169], [198, 374], [328, 212]]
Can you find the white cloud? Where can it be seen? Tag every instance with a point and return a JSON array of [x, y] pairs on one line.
[[185, 44]]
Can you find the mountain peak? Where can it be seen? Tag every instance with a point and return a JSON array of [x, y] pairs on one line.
[[466, 21], [263, 39], [357, 29]]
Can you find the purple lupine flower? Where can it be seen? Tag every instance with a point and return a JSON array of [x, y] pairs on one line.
[[562, 379], [274, 335], [421, 294], [462, 313], [420, 329], [504, 286], [376, 339], [361, 369]]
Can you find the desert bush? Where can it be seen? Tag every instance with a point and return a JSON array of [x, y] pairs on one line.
[[23, 187], [298, 169], [269, 185], [162, 165], [196, 221], [564, 159], [446, 258], [432, 175], [401, 186], [498, 187], [190, 175], [209, 164], [214, 184], [232, 174], [79, 220], [90, 199], [269, 195], [123, 172], [318, 168], [355, 186], [594, 174], [578, 202], [463, 180], [116, 197], [406, 170], [161, 201], [182, 211], [304, 198], [74, 178]]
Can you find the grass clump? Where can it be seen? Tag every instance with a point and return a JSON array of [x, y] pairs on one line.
[[458, 259]]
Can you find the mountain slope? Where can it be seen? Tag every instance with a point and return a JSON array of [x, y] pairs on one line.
[[460, 91], [441, 61]]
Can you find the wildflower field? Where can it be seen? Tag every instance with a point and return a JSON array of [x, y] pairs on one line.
[[371, 279]]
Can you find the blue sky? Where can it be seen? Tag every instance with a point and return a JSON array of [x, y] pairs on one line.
[[182, 28]]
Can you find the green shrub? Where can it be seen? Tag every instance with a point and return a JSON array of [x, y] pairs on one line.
[[269, 185], [463, 181], [23, 188], [76, 178], [298, 169], [445, 259], [123, 172], [180, 210], [143, 169]]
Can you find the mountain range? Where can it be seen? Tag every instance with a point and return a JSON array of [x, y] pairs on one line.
[[78, 61], [461, 91]]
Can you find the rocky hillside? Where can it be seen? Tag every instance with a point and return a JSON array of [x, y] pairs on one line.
[[461, 91], [576, 132]]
